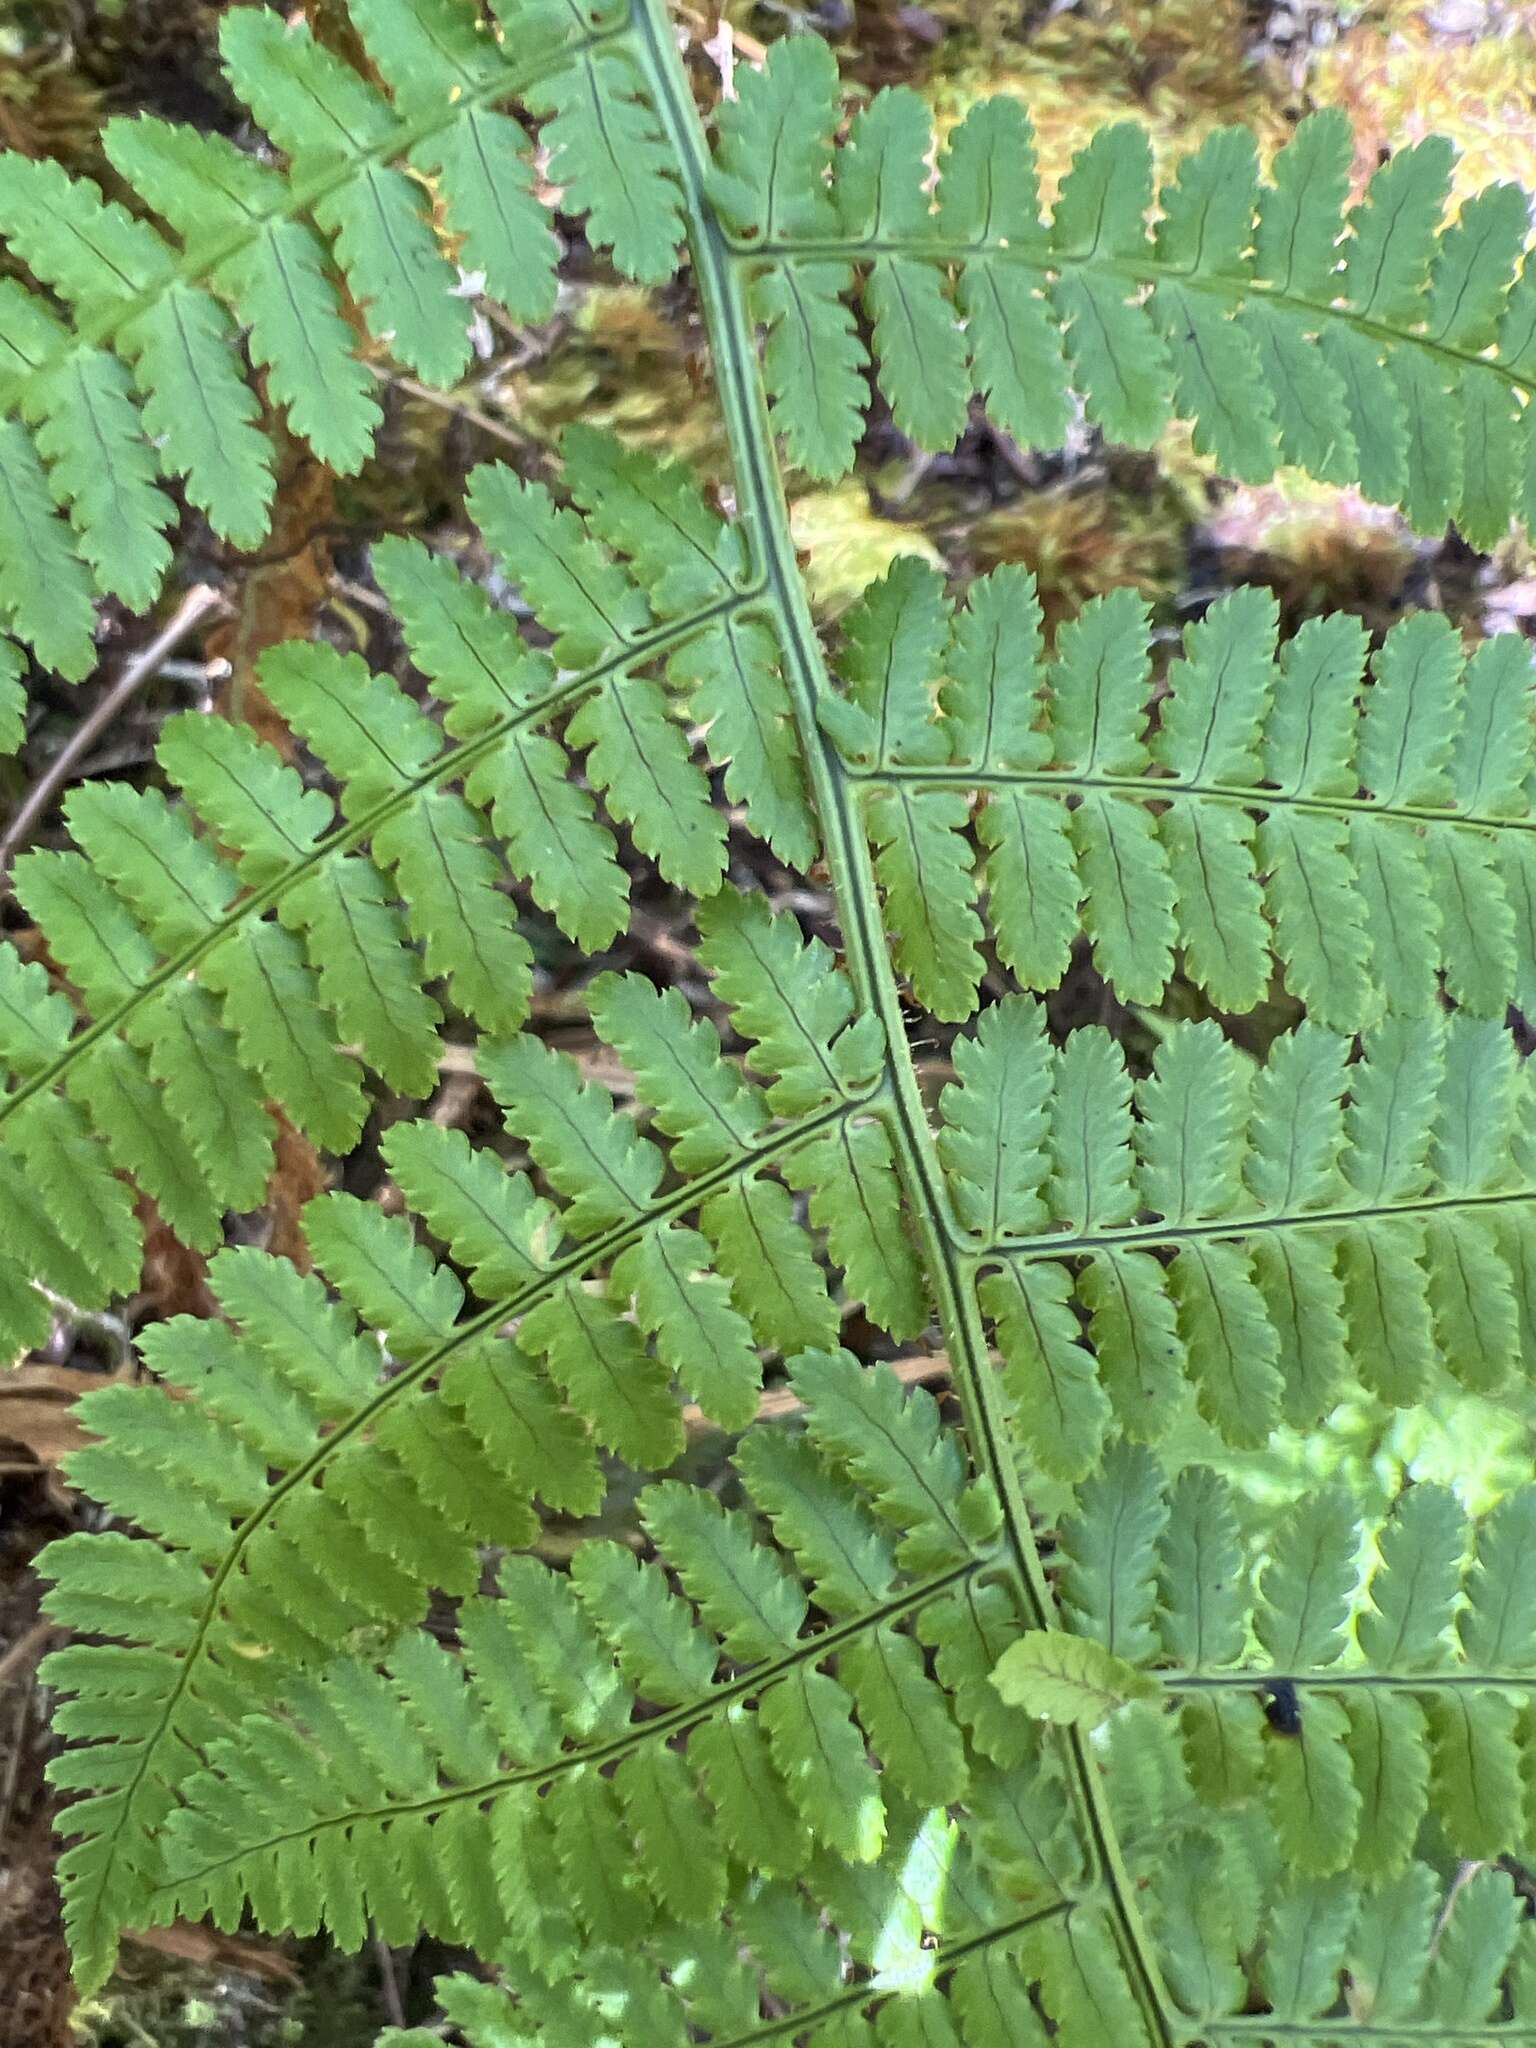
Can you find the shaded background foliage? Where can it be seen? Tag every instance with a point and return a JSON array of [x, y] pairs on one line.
[[1086, 519]]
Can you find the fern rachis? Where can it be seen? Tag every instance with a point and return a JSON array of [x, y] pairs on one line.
[[849, 1753]]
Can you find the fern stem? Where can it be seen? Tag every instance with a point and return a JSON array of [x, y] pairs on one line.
[[1253, 2026], [743, 400], [766, 514], [1411, 1682], [1147, 1235], [1160, 789]]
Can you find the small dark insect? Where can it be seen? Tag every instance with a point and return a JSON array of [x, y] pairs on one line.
[[1282, 1709]]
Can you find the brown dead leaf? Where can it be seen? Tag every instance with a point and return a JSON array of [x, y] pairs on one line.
[[297, 1176], [215, 1951], [37, 1409], [175, 1279], [278, 595]]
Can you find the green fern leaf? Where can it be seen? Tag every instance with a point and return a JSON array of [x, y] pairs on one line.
[[993, 1140], [36, 557], [13, 699], [967, 1631], [511, 1411], [849, 1558], [1050, 1374], [1390, 1762], [759, 1823], [1114, 349], [921, 1750], [315, 107], [762, 1251], [816, 1748], [278, 280], [1386, 255], [1110, 1544], [1498, 1626], [923, 866], [1197, 1933], [773, 150], [880, 196], [1314, 1802], [1201, 1570], [856, 1200], [1090, 1131], [740, 1589], [495, 1224], [1414, 1590], [894, 1447], [641, 762], [1309, 1927], [554, 837], [601, 1364], [659, 1651], [699, 1101], [608, 151], [1068, 1681], [700, 1334], [1389, 1949], [1305, 1588], [1300, 214], [590, 1153], [429, 54], [102, 257], [1464, 1976], [988, 189], [1082, 1982], [808, 1043]]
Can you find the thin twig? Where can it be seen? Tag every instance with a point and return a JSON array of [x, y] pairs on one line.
[[20, 1661], [461, 408], [389, 1984], [188, 615], [777, 1402], [26, 1649]]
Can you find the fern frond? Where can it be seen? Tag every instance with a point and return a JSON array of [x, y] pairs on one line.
[[1402, 1676], [1374, 836], [1330, 1965], [609, 1725], [286, 950], [590, 1657], [308, 1451], [1380, 347], [45, 588], [148, 377], [624, 1721], [1339, 1966], [1266, 1233]]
